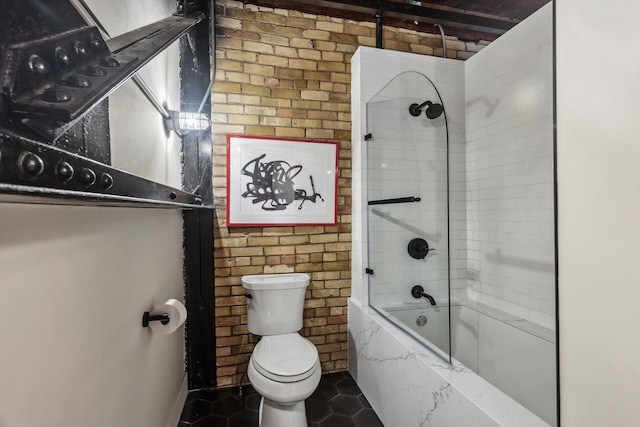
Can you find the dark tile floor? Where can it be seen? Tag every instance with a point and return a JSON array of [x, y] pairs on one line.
[[337, 402]]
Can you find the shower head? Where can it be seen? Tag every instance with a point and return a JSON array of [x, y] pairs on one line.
[[433, 111]]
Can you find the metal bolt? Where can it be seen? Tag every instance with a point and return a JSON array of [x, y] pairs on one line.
[[64, 57], [81, 49], [56, 95], [38, 65], [95, 43], [30, 164], [77, 81], [109, 62], [87, 177], [95, 71], [106, 181], [64, 171]]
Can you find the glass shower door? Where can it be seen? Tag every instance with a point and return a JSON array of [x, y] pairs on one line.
[[407, 192]]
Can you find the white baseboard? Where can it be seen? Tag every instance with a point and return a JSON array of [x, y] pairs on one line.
[[181, 398]]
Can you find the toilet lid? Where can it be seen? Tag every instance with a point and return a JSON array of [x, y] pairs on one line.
[[285, 358]]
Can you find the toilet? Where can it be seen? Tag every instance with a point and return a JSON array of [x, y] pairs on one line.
[[284, 367]]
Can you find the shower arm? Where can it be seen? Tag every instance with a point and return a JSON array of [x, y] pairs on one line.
[[418, 292], [416, 109]]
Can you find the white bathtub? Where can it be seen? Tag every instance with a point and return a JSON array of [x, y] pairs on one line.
[[516, 356], [409, 385]]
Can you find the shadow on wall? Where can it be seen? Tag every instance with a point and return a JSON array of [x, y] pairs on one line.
[[435, 237], [492, 106]]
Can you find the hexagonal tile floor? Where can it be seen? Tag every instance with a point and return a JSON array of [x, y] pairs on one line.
[[337, 402]]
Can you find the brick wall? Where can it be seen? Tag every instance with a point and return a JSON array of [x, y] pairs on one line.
[[287, 74]]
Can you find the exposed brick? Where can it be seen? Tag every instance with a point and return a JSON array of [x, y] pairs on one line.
[[258, 47], [259, 69], [330, 26], [308, 267], [274, 40], [317, 75], [316, 34], [320, 133], [290, 132], [285, 93], [276, 61], [294, 240], [324, 238], [302, 43], [303, 64], [331, 66], [288, 112], [259, 27], [300, 22], [280, 250], [271, 17], [317, 95]]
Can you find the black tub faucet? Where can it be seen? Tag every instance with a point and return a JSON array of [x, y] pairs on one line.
[[418, 292]]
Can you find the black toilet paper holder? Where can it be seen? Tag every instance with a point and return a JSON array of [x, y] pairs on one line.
[[147, 317]]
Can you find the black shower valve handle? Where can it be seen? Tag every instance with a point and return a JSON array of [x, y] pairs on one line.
[[418, 248]]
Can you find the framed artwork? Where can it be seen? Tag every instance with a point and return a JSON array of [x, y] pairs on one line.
[[278, 182]]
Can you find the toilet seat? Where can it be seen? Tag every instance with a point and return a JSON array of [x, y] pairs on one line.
[[285, 358]]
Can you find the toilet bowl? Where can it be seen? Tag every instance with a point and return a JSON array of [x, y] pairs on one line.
[[284, 367], [284, 370]]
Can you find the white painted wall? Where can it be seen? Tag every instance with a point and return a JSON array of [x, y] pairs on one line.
[[510, 217], [598, 205], [74, 284], [155, 156]]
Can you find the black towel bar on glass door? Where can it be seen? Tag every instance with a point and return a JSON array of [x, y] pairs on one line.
[[390, 201]]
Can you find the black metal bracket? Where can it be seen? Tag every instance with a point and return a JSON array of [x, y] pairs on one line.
[[52, 81], [146, 318], [368, 270], [368, 137], [37, 170], [55, 76], [392, 201], [379, 29]]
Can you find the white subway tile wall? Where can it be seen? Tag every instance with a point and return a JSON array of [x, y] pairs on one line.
[[509, 173], [499, 112]]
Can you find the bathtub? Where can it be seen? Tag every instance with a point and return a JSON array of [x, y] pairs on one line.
[[403, 375]]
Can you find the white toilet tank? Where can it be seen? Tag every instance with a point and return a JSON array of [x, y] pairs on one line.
[[276, 302]]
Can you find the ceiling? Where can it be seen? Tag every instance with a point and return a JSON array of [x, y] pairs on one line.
[[466, 19]]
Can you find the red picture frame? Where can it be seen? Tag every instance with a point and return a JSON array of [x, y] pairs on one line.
[[281, 182]]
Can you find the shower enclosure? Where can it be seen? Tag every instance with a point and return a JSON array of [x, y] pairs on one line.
[[408, 204], [459, 231]]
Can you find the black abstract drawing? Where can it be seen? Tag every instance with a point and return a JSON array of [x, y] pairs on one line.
[[272, 184]]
